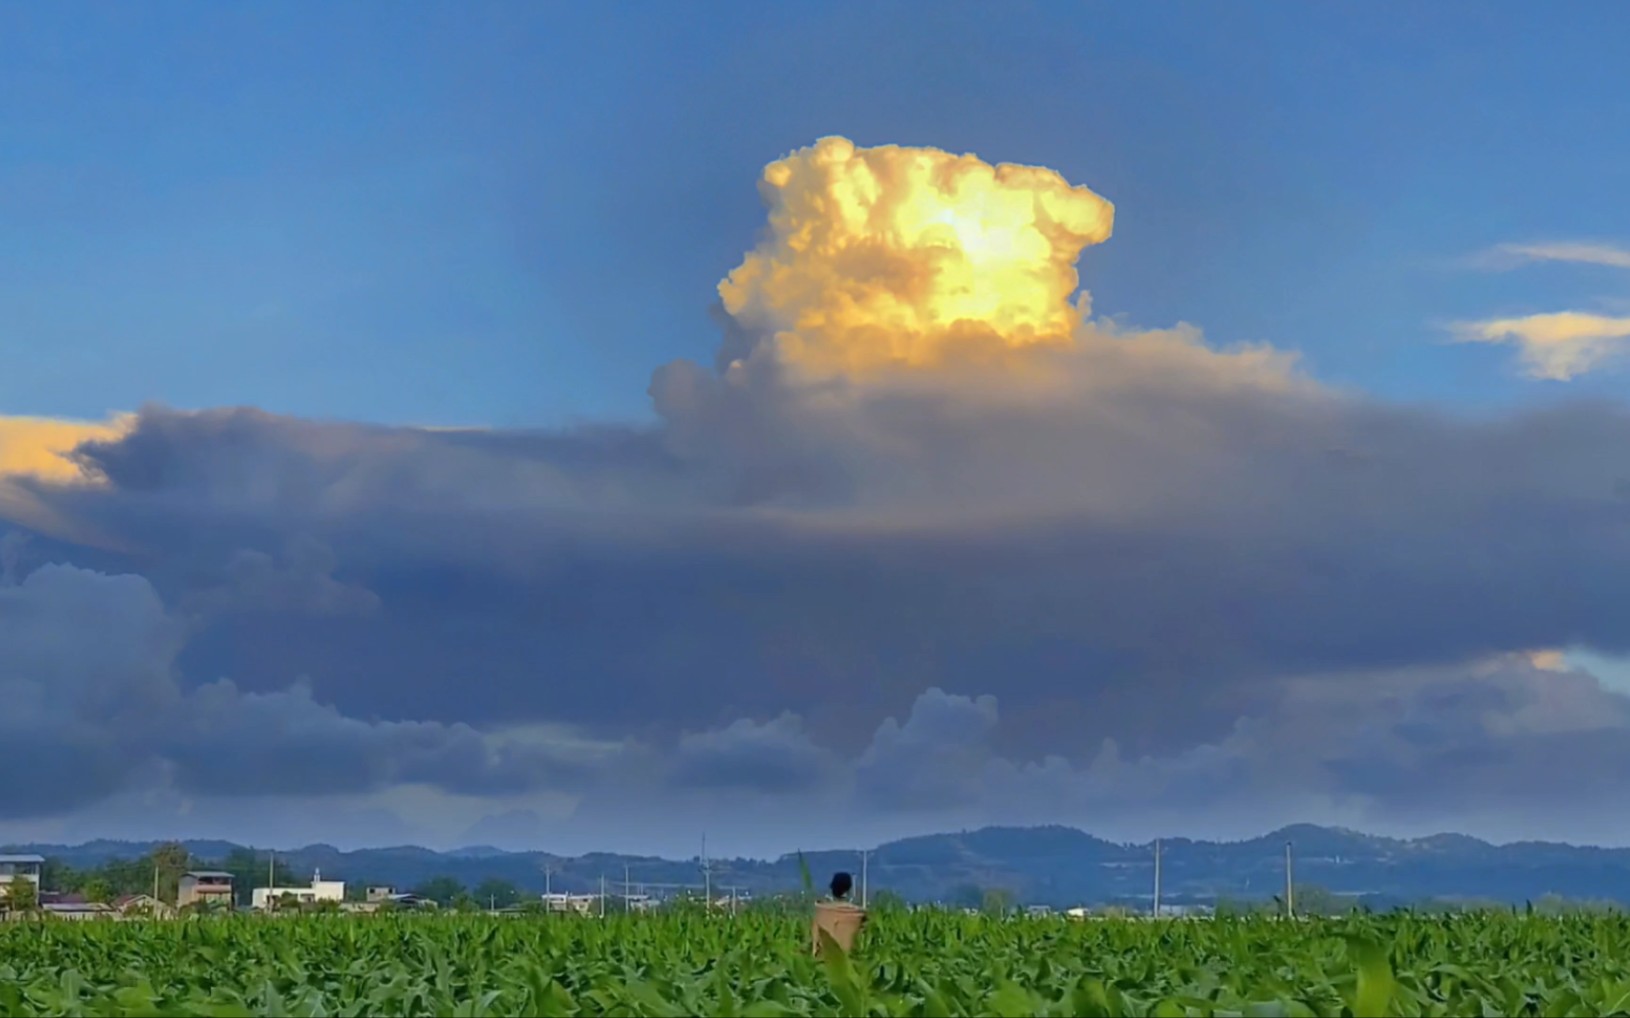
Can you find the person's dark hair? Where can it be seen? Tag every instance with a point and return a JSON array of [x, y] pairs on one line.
[[842, 884]]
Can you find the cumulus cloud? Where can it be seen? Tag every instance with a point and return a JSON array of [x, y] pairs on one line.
[[777, 757], [921, 480], [1494, 745], [891, 255], [1557, 346], [302, 581], [94, 703]]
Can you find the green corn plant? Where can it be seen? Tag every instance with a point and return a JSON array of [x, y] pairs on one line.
[[1506, 962]]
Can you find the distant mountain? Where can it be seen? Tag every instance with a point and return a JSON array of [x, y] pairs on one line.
[[1042, 865]]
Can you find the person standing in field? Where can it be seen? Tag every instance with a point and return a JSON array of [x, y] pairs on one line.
[[842, 885], [837, 915]]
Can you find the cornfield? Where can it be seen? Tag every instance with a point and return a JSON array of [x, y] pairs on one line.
[[906, 964]]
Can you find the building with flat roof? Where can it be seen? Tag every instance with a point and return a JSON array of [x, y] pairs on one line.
[[20, 867], [205, 887], [320, 890], [78, 911]]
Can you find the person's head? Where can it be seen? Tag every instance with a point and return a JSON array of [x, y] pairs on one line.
[[842, 884]]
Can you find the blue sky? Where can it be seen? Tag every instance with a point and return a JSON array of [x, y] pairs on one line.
[[1032, 570], [509, 214]]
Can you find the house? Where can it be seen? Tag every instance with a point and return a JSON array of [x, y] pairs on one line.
[[21, 867], [638, 903], [320, 890], [390, 900], [582, 904], [134, 906], [379, 892], [205, 887], [78, 911]]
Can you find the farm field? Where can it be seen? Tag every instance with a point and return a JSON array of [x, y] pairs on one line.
[[909, 964]]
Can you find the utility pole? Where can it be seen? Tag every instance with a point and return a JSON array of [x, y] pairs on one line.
[[707, 875], [1290, 886], [625, 887], [602, 896], [864, 855], [1157, 879], [155, 884], [547, 872]]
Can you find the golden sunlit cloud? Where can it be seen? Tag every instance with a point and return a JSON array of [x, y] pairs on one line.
[[1548, 660], [39, 447], [1557, 346], [890, 256]]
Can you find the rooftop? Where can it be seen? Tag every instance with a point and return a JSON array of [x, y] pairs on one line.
[[22, 858], [216, 874]]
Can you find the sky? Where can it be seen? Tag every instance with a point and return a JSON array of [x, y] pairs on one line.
[[590, 427]]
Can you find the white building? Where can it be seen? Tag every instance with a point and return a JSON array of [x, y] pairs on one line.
[[14, 866], [20, 867], [320, 890], [583, 904]]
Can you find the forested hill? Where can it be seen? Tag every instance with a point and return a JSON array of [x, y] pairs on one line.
[[1051, 865]]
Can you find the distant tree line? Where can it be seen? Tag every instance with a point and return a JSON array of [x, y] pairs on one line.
[[160, 870]]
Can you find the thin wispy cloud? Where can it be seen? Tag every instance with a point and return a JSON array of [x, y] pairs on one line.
[[1511, 256], [1554, 346], [1558, 346]]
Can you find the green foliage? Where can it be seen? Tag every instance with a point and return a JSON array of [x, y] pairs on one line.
[[1312, 899], [443, 891], [135, 876], [170, 861], [494, 893], [759, 963], [885, 901], [996, 901], [97, 889], [22, 894]]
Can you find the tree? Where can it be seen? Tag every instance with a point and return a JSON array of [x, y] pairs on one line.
[[996, 901], [441, 890], [22, 894], [887, 901], [1311, 899], [97, 888], [59, 876], [967, 896], [170, 860], [495, 893], [249, 871]]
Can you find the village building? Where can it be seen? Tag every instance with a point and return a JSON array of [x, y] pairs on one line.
[[20, 867], [205, 887], [320, 890]]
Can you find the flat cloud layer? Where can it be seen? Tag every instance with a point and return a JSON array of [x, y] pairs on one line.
[[1116, 578]]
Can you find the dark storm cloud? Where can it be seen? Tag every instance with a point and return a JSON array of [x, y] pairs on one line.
[[1143, 525], [94, 706], [301, 582], [1149, 556], [777, 757]]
